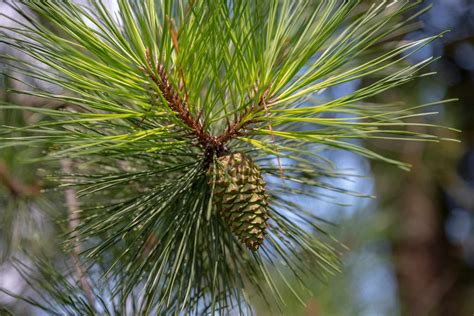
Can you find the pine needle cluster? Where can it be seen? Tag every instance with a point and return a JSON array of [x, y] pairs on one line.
[[157, 94]]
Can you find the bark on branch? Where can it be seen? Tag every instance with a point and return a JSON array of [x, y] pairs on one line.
[[212, 144], [16, 188], [73, 222]]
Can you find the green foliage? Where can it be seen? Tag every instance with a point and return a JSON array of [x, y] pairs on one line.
[[153, 94]]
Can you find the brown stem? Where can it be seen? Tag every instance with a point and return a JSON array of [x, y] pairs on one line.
[[177, 104], [212, 144], [15, 187], [74, 221], [239, 123]]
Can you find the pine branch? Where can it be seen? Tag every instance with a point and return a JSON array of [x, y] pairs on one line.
[[212, 144], [74, 221], [178, 105], [16, 188], [241, 122], [142, 178]]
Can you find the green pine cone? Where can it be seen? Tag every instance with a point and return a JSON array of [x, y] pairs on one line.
[[239, 196]]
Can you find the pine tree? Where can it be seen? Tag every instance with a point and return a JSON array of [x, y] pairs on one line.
[[188, 128]]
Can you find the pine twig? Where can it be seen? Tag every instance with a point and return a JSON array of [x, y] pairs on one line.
[[177, 104], [15, 187], [213, 144], [240, 123], [73, 221]]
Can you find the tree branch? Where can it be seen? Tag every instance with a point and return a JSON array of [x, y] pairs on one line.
[[14, 186], [177, 104], [239, 123], [73, 221], [213, 144]]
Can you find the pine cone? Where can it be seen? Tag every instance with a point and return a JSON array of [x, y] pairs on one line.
[[239, 196]]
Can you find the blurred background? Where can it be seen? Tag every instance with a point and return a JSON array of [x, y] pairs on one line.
[[411, 249]]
